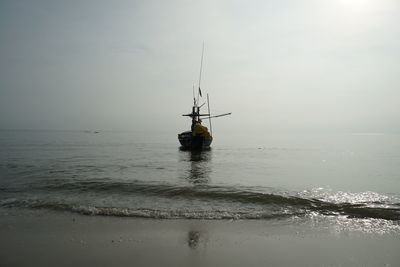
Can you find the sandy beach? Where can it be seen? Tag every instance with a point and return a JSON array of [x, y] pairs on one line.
[[42, 238]]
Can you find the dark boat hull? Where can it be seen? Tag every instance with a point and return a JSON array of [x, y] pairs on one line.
[[190, 142]]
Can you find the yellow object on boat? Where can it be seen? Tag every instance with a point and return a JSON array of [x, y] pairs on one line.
[[201, 130]]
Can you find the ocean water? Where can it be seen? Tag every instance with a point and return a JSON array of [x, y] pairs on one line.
[[350, 180]]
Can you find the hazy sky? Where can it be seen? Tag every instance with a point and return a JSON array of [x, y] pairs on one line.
[[278, 65]]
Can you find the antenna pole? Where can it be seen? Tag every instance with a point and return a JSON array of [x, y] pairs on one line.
[[201, 68], [209, 114]]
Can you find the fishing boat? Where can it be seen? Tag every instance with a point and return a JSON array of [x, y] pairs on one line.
[[198, 138]]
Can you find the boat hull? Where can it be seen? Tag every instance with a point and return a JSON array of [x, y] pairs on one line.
[[190, 142]]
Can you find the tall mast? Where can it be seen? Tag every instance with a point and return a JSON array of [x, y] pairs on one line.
[[201, 68]]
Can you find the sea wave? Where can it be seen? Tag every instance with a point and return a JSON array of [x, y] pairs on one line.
[[269, 204], [161, 214]]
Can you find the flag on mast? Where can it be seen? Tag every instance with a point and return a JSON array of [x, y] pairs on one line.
[[200, 92]]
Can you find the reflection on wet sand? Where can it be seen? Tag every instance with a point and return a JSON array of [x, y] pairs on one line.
[[193, 239], [197, 240]]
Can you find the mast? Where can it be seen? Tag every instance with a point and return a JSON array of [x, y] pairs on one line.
[[201, 68], [194, 97]]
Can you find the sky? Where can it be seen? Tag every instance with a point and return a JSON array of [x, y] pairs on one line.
[[277, 65]]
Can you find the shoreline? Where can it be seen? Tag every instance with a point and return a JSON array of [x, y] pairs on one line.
[[44, 238]]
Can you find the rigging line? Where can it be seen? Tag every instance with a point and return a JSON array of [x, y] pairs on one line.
[[209, 116]]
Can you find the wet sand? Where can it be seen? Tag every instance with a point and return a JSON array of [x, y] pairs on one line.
[[41, 238]]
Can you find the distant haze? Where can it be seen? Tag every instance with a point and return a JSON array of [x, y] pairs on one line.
[[277, 65]]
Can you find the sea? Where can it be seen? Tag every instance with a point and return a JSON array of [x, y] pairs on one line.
[[350, 182]]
